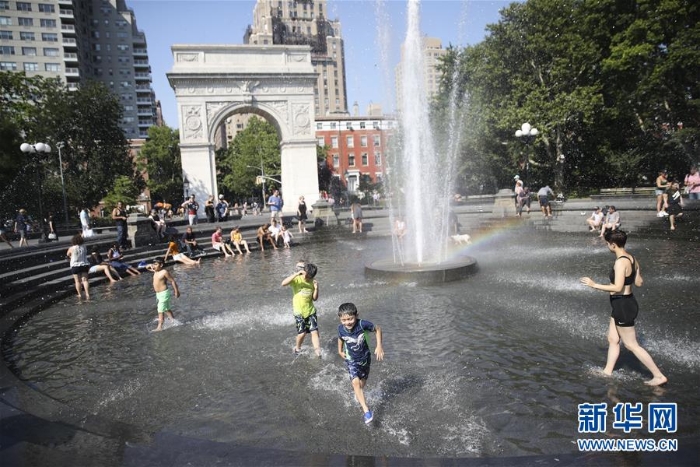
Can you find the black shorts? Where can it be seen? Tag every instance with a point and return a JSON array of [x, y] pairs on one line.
[[624, 310], [77, 270]]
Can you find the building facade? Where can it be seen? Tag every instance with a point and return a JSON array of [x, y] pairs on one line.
[[80, 40], [305, 22], [432, 51], [357, 147]]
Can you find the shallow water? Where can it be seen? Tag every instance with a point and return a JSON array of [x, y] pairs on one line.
[[495, 365]]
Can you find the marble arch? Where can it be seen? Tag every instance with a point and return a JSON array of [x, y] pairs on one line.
[[277, 82]]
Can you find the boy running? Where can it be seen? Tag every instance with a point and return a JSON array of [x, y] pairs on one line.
[[305, 290], [160, 285], [353, 347]]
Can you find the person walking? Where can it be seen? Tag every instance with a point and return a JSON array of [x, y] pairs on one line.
[[543, 197], [275, 202], [625, 273], [191, 207], [79, 265], [119, 218], [673, 203], [301, 215], [209, 208], [661, 187], [356, 213], [692, 183], [21, 227]]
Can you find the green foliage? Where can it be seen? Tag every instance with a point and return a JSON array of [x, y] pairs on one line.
[[86, 121], [124, 190], [605, 82], [253, 149], [160, 157]]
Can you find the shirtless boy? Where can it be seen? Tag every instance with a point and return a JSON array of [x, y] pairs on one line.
[[163, 295]]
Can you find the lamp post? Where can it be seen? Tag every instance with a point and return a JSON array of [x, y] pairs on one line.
[[527, 132], [33, 149]]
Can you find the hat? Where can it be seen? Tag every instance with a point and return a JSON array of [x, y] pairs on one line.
[[517, 177], [221, 196]]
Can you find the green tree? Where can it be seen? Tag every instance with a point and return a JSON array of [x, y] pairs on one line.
[[123, 190], [85, 121], [253, 149], [160, 157]]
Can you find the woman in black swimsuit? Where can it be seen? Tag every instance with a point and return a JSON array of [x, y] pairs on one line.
[[625, 273]]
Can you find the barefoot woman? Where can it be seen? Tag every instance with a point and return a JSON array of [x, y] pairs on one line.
[[626, 271]]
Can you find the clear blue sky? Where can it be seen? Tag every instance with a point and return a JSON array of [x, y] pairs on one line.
[[168, 22]]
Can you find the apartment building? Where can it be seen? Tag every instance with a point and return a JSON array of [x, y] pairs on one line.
[[357, 146], [305, 22], [80, 40], [432, 51]]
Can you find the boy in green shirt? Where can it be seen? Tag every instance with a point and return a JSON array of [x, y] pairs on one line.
[[305, 290]]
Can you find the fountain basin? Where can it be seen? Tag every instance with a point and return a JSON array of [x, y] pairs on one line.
[[425, 274]]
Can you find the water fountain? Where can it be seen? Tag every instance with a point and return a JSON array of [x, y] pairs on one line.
[[423, 169]]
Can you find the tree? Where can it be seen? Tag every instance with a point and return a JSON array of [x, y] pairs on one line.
[[253, 149], [124, 190], [86, 121], [160, 157]]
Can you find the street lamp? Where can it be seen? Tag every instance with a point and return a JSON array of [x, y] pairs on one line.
[[45, 148], [527, 132]]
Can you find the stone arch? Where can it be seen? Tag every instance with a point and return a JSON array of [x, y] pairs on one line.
[[276, 82]]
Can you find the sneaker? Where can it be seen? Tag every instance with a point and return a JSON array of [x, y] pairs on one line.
[[659, 214], [664, 213], [369, 416]]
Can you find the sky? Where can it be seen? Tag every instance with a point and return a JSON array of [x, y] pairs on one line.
[[369, 67]]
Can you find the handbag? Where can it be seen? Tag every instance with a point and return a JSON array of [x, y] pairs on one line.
[[53, 236]]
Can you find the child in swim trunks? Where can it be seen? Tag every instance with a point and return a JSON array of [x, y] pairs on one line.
[[305, 290], [161, 277], [354, 349]]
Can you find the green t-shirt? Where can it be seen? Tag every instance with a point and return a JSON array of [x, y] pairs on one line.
[[303, 301]]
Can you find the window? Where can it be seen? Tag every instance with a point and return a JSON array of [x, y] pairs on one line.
[[52, 67], [375, 125], [320, 141], [348, 125], [50, 52], [4, 5], [31, 66], [49, 37], [351, 160], [365, 159], [26, 36], [31, 51], [24, 6], [334, 126], [336, 160], [48, 23], [5, 21], [377, 158], [6, 35], [363, 141], [8, 66], [362, 125], [46, 8], [377, 140], [121, 35], [7, 50], [319, 126], [334, 141], [25, 21], [350, 141], [123, 47], [96, 34]]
